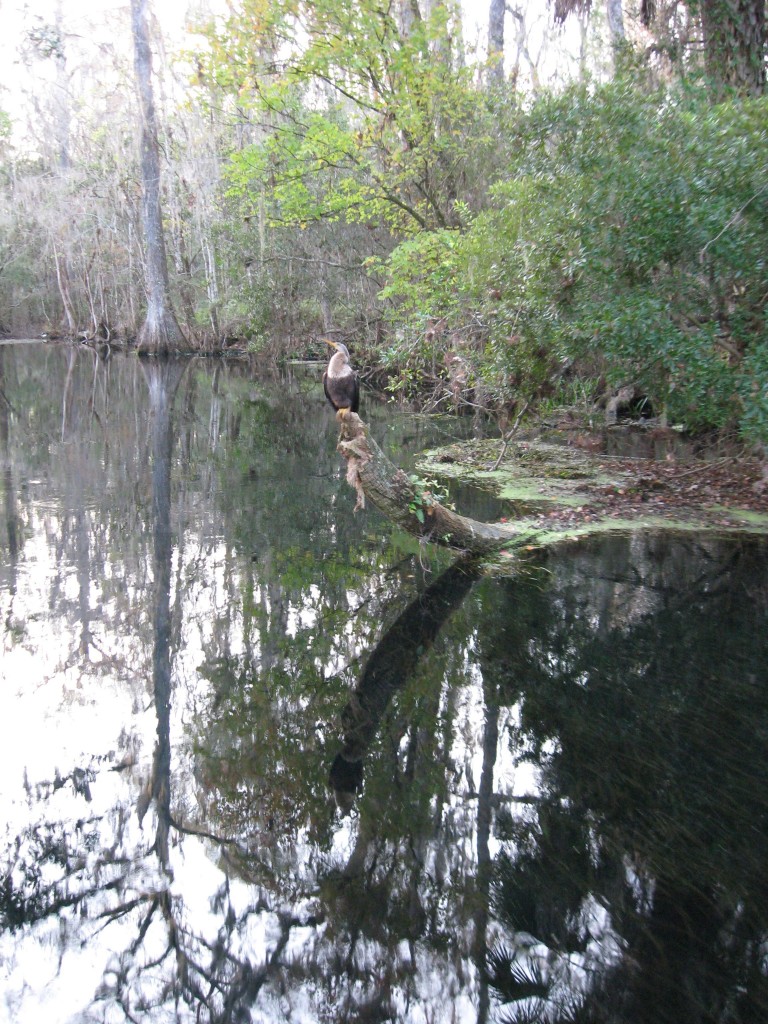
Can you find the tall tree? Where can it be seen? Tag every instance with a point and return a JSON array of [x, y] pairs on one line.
[[496, 14], [615, 16], [734, 44], [160, 331]]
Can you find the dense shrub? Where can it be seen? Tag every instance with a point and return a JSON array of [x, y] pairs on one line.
[[628, 241]]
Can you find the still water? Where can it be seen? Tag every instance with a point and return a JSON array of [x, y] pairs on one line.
[[263, 760]]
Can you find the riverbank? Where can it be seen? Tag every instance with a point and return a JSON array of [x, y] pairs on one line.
[[564, 484]]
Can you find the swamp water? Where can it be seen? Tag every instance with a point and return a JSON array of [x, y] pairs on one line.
[[264, 761]]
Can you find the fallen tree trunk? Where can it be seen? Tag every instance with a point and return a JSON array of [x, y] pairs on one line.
[[407, 504]]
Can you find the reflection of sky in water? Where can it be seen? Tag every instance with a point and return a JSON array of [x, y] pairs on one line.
[[277, 596]]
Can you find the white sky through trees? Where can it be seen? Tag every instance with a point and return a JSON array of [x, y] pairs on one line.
[[97, 38]]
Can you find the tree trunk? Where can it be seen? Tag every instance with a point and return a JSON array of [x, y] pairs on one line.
[[62, 100], [62, 279], [615, 16], [375, 478], [496, 14], [734, 45], [160, 332]]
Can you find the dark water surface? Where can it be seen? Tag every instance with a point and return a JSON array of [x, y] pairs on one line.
[[262, 761]]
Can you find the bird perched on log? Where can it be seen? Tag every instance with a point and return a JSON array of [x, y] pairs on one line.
[[340, 380]]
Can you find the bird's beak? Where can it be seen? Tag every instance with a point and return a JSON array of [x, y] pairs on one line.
[[333, 344]]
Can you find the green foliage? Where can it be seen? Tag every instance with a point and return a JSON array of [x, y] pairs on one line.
[[348, 164], [427, 493], [626, 241], [753, 390], [423, 274], [364, 121], [421, 297]]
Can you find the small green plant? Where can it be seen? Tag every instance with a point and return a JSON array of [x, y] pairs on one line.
[[427, 494]]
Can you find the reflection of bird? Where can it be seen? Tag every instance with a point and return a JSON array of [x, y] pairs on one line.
[[340, 381]]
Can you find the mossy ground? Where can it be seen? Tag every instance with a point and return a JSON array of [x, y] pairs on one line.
[[558, 491]]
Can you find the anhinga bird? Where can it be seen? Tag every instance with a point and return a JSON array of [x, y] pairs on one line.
[[340, 380]]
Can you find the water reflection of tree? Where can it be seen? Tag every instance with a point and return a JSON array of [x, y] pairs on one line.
[[56, 865], [388, 668], [639, 876], [111, 874], [163, 379], [209, 977], [606, 881], [395, 905], [387, 892], [10, 515], [68, 450]]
